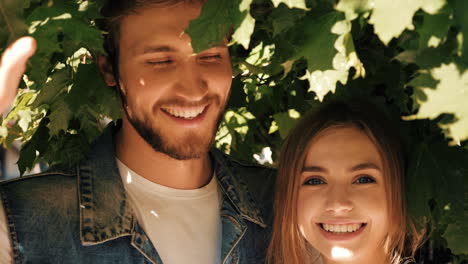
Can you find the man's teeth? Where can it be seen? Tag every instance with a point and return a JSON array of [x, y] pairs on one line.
[[184, 113], [341, 228]]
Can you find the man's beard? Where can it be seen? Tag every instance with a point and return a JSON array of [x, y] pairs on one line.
[[191, 146]]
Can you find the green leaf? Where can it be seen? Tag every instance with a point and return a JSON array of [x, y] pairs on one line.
[[291, 3], [12, 25], [214, 22], [390, 18], [424, 80], [460, 8], [90, 90], [59, 117], [419, 183], [433, 57], [283, 18], [450, 96], [434, 26], [58, 83], [456, 237], [25, 117], [352, 8], [285, 123], [37, 143], [246, 28], [316, 35]]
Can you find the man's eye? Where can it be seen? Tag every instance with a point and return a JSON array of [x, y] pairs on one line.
[[160, 62], [364, 180], [210, 58], [314, 181]]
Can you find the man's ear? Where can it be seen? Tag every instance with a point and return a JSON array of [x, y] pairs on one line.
[[106, 69]]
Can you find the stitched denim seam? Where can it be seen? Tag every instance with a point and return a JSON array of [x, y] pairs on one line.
[[11, 227], [58, 173], [235, 244]]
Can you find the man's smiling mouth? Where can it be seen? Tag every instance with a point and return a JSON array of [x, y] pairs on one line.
[[188, 113]]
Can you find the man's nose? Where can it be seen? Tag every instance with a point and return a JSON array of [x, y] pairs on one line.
[[339, 200], [191, 83]]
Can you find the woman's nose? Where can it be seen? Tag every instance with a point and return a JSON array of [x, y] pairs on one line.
[[339, 200]]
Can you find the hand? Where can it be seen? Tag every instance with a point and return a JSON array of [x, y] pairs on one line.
[[12, 67]]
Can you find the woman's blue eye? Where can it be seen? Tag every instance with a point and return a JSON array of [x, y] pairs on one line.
[[364, 180], [313, 181]]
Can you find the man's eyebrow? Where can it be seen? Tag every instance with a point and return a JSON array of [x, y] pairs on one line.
[[155, 49], [365, 166], [313, 169]]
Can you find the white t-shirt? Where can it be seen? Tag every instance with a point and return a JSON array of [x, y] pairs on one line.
[[183, 225]]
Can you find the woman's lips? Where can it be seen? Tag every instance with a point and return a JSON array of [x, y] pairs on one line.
[[341, 232]]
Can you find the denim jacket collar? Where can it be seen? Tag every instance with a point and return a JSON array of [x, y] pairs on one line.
[[105, 213]]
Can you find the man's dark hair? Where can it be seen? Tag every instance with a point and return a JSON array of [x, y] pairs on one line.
[[113, 11]]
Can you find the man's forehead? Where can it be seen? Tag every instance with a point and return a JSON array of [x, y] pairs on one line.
[[157, 27]]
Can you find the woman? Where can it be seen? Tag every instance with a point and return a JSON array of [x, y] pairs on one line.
[[339, 196]]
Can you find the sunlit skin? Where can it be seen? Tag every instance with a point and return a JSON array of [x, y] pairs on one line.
[[12, 67], [159, 70], [343, 183]]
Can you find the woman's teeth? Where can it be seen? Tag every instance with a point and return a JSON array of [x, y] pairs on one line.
[[341, 228], [184, 113]]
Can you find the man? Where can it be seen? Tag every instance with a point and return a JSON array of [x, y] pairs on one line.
[[152, 190]]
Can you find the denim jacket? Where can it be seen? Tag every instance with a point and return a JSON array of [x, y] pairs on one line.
[[82, 215]]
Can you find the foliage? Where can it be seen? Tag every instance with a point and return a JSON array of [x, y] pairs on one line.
[[289, 55]]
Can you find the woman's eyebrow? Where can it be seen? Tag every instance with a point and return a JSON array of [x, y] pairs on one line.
[[365, 166], [313, 169]]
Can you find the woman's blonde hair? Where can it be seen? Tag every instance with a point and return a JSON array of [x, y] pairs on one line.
[[288, 246]]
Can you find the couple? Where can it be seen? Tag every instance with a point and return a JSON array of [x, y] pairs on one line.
[[153, 190]]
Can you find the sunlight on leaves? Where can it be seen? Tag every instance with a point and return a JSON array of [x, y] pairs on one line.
[[246, 28], [352, 8], [390, 18], [322, 82], [450, 96]]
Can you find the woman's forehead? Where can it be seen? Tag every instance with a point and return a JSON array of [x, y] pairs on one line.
[[342, 145]]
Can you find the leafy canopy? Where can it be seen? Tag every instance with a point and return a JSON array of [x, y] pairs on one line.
[[410, 56]]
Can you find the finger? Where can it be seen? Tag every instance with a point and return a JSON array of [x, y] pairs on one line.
[[12, 67]]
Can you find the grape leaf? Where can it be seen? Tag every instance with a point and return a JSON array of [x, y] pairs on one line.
[[284, 122], [291, 3], [456, 236], [316, 35], [450, 96], [214, 22], [419, 182], [59, 117], [390, 18], [89, 89], [12, 25], [352, 8], [246, 27], [460, 11], [37, 143], [433, 26], [59, 82], [282, 18], [344, 57]]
